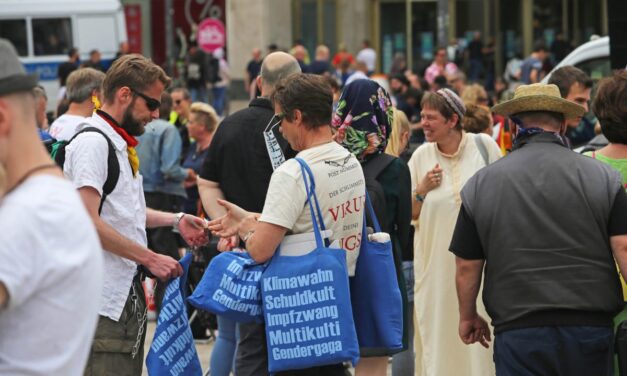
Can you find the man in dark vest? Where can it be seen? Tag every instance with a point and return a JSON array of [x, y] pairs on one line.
[[551, 285]]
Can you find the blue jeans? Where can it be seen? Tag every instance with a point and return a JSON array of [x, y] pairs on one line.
[[555, 351], [223, 353], [219, 99], [198, 94], [476, 67]]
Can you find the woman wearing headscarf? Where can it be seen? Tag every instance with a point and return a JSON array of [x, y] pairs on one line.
[[439, 169], [362, 121]]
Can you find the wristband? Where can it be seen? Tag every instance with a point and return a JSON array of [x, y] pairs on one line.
[[418, 197], [177, 220]]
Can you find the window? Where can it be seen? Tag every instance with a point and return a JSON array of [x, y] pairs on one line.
[[315, 22], [597, 68], [52, 36], [15, 31]]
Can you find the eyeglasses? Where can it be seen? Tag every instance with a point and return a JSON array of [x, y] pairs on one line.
[[151, 103], [178, 101]]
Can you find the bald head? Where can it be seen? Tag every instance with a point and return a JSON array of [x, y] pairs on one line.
[[275, 67]]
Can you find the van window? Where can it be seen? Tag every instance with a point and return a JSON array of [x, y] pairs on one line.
[[52, 36], [597, 68], [15, 31]]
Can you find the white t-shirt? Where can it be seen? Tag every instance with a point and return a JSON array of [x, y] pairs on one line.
[[51, 266], [368, 56], [340, 188], [65, 126], [124, 209]]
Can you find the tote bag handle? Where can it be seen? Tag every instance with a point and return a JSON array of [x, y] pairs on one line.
[[373, 216], [310, 188]]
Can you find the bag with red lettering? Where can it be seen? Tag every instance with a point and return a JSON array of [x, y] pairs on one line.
[[230, 287], [306, 303]]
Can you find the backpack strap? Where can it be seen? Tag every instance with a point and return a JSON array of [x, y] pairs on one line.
[[113, 166], [482, 149]]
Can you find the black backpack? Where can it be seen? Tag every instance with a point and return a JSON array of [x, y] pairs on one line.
[[372, 168], [57, 152]]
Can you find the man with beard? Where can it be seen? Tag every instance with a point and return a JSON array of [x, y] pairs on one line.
[[129, 91]]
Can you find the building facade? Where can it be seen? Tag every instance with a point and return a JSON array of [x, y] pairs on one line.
[[412, 28]]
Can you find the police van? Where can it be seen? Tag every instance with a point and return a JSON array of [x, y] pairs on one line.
[[43, 32]]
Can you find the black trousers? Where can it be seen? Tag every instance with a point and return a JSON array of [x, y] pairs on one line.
[[555, 351], [161, 239]]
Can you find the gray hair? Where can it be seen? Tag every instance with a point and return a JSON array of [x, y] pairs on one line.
[[39, 92], [274, 70], [553, 120], [81, 83]]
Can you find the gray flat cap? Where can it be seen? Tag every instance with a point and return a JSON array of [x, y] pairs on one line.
[[13, 77]]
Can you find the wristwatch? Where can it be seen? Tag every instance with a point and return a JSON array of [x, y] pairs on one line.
[[417, 196], [177, 220]]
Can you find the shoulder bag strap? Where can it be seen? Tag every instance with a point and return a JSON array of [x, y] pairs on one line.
[[375, 221], [482, 149], [311, 193]]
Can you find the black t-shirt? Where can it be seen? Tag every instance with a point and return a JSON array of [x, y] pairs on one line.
[[467, 245], [238, 159], [64, 71], [474, 49], [253, 69], [320, 67]]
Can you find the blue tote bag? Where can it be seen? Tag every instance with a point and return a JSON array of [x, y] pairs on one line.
[[375, 295], [230, 287], [306, 304], [172, 351]]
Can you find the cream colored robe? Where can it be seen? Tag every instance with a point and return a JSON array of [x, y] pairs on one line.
[[439, 350]]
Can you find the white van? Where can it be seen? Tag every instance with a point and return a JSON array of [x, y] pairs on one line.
[[592, 57], [43, 31]]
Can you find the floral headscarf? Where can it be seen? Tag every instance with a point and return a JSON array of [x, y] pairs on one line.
[[363, 118]]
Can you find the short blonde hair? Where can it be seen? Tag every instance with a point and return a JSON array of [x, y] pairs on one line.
[[400, 125], [472, 93], [207, 115]]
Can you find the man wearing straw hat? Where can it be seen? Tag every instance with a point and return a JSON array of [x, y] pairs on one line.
[[551, 286]]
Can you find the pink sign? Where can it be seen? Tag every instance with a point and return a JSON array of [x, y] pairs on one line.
[[211, 34]]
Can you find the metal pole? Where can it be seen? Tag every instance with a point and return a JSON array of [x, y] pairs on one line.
[[169, 36], [408, 32], [443, 18]]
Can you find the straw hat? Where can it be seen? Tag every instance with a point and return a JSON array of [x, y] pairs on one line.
[[539, 97]]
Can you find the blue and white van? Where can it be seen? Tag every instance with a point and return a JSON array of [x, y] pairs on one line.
[[43, 31]]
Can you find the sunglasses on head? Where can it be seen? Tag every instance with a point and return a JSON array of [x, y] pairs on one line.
[[274, 121], [151, 103]]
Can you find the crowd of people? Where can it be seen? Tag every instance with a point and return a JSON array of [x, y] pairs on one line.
[[483, 170]]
